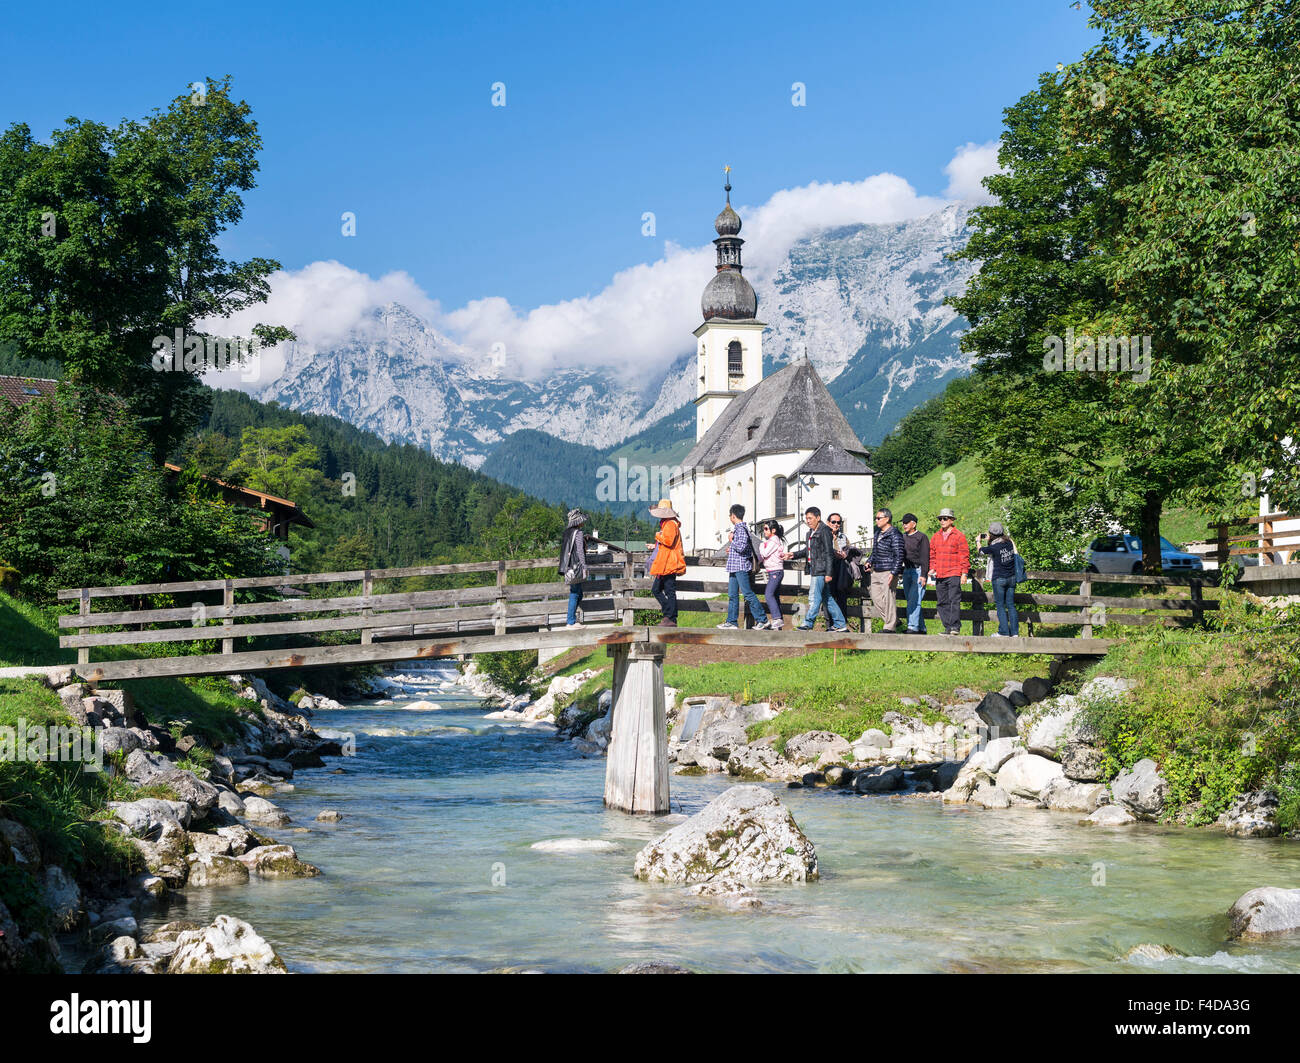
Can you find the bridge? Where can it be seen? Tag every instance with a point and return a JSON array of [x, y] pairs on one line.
[[438, 611]]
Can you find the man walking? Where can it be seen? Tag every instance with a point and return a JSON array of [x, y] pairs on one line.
[[739, 564], [916, 564], [841, 580], [886, 565], [949, 562], [820, 552]]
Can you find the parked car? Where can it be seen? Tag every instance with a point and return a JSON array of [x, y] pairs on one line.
[[1123, 553]]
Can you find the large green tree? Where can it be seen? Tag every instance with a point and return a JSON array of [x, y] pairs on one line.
[[108, 239], [1090, 239]]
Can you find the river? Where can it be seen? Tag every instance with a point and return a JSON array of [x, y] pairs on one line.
[[432, 868]]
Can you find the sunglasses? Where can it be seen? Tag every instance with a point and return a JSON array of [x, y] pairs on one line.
[[834, 522]]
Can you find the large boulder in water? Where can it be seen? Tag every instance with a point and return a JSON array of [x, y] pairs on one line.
[[228, 946], [1027, 775], [1141, 789], [1264, 912], [812, 746], [743, 834], [1252, 815]]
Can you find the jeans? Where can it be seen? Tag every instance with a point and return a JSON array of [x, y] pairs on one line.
[[737, 585], [1004, 598], [664, 588], [773, 602], [575, 597], [913, 592], [819, 594], [948, 590]]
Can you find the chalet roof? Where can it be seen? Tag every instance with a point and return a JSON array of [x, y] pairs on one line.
[[830, 459], [789, 410], [255, 499], [20, 390]]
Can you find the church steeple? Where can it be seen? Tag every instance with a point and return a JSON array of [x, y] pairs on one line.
[[729, 296]]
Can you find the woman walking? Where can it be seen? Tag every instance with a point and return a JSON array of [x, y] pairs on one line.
[[1001, 552], [573, 561], [669, 560], [770, 551]]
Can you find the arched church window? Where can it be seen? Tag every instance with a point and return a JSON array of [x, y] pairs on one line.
[[735, 362]]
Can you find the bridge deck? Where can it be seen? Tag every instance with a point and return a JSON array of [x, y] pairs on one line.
[[451, 645]]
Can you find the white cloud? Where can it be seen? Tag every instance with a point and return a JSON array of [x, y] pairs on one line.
[[968, 167], [641, 320]]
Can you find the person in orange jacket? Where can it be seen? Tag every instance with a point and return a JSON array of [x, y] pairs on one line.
[[668, 561]]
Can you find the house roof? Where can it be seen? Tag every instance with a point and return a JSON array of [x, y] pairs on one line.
[[20, 390], [829, 459], [260, 499], [789, 410]]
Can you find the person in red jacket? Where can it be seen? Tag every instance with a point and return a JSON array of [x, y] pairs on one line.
[[949, 563]]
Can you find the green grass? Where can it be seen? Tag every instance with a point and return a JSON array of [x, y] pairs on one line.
[[29, 635]]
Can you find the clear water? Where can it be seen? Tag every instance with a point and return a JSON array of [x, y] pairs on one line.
[[431, 869]]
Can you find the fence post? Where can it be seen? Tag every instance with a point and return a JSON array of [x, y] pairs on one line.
[[228, 622], [1221, 551], [629, 571], [1198, 612], [1085, 592], [500, 607], [83, 608], [979, 603], [367, 589], [1266, 542]]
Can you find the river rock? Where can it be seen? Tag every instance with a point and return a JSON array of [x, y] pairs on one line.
[[169, 932], [18, 845], [144, 817], [1051, 727], [988, 796], [838, 775], [1264, 912], [969, 776], [1107, 687], [62, 896], [575, 845], [999, 751], [878, 782], [228, 946], [211, 844], [120, 740], [1252, 815], [1147, 951], [230, 802], [1035, 688], [744, 834], [164, 852], [153, 769], [277, 861], [264, 812], [1110, 816], [761, 761], [814, 745], [241, 839], [654, 967], [1027, 774], [1065, 795], [329, 815], [1141, 789], [1082, 762], [212, 869], [998, 714]]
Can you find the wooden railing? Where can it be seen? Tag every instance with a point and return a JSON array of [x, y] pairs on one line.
[[1256, 536], [277, 608]]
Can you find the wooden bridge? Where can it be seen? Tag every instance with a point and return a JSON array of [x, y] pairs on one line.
[[433, 611]]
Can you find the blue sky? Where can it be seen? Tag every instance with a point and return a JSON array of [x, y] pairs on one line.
[[385, 110]]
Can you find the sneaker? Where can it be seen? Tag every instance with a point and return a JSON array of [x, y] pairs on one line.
[[775, 625], [570, 627], [728, 627], [914, 631], [803, 627], [952, 632], [762, 625], [844, 628], [667, 623], [999, 635], [889, 631]]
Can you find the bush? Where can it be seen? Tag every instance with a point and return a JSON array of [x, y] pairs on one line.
[[512, 670]]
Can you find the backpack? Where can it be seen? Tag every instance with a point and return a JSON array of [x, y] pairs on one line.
[[1020, 567], [755, 559]]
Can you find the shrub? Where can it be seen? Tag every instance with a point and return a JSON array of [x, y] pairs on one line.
[[512, 670]]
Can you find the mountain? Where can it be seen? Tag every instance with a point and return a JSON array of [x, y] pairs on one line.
[[865, 301]]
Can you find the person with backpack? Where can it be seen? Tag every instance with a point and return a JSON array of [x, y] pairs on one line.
[[888, 553], [573, 561], [669, 560], [1002, 555], [820, 552], [741, 554], [771, 550]]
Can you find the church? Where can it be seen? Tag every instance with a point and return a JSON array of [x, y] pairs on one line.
[[775, 445]]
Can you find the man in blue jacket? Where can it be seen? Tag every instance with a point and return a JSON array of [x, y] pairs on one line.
[[885, 564]]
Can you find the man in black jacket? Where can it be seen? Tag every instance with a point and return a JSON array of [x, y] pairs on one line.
[[820, 553], [886, 565], [916, 564]]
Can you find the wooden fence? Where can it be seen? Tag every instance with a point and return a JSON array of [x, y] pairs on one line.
[[1256, 537]]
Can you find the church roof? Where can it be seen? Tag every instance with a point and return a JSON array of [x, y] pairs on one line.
[[829, 459], [789, 410]]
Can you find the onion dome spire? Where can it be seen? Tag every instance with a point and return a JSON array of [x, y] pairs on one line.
[[729, 295]]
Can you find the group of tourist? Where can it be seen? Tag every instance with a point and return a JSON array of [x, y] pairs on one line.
[[835, 566]]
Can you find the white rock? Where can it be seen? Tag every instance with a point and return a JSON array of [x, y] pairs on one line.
[[1052, 726], [228, 946], [744, 833], [1265, 912], [1110, 816], [999, 751], [1027, 774]]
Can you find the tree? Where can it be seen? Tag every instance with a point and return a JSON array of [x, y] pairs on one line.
[[279, 461], [108, 239]]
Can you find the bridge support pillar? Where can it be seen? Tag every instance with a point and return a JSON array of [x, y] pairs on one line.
[[636, 773]]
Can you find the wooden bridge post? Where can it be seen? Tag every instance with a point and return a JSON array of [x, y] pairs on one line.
[[1085, 592], [629, 573], [1221, 546], [228, 624], [367, 589], [83, 609], [499, 611], [636, 773]]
